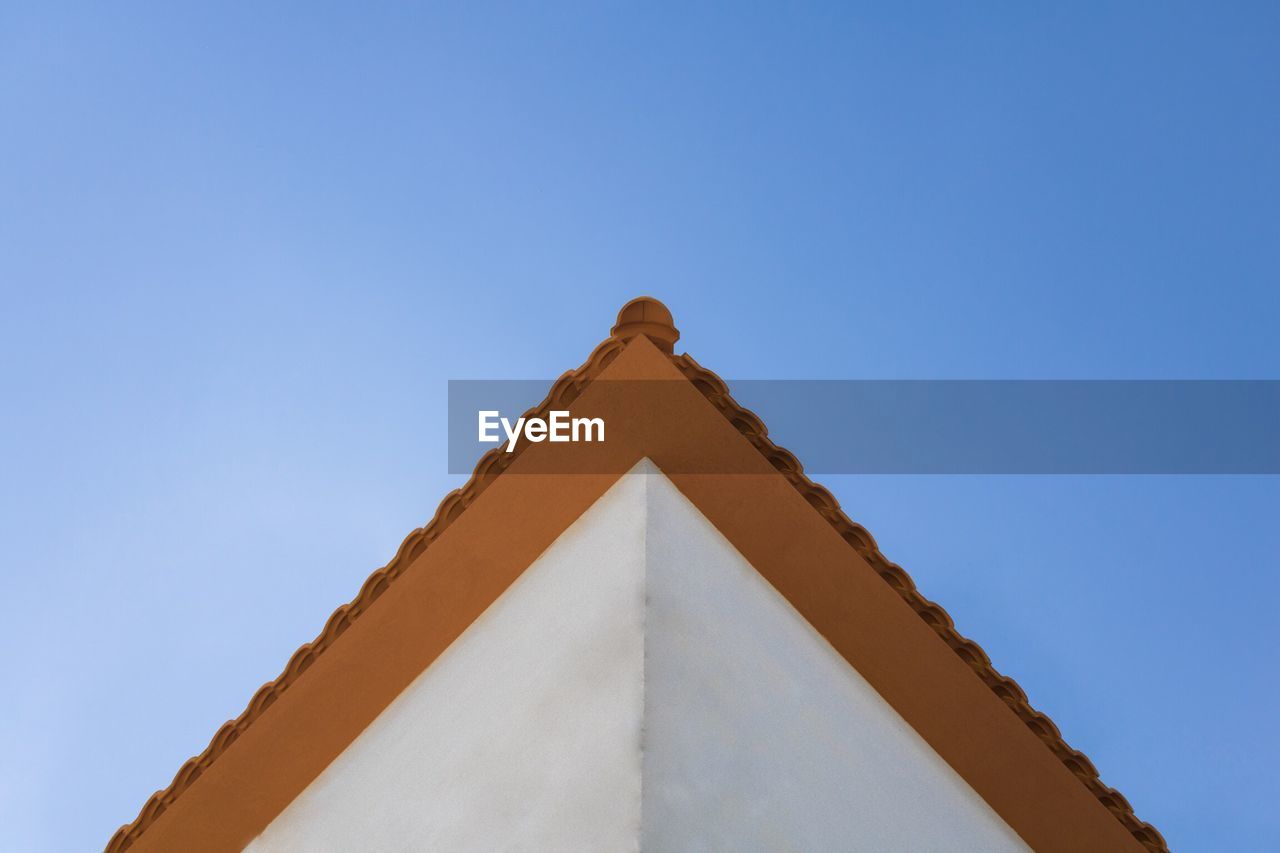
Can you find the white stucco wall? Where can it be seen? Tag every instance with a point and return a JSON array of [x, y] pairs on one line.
[[639, 687], [523, 736], [759, 736]]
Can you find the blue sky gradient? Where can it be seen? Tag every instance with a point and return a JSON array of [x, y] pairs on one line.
[[243, 248]]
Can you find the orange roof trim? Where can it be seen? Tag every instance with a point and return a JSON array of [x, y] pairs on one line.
[[493, 463], [647, 321], [933, 614]]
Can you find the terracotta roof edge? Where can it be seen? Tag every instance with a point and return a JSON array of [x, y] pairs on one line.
[[754, 430], [491, 464]]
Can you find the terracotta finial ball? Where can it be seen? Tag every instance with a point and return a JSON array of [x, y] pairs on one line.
[[649, 317]]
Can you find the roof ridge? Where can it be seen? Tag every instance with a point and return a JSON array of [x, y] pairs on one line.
[[563, 392], [716, 390]]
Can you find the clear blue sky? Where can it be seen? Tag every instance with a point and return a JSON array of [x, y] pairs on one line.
[[242, 249]]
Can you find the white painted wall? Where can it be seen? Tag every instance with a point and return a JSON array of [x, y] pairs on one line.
[[524, 735], [759, 736], [639, 687]]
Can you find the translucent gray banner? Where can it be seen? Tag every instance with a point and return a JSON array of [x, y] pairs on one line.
[[957, 427]]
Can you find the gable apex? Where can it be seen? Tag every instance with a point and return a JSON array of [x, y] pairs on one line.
[[485, 534]]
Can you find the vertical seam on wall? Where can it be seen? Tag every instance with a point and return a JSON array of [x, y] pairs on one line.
[[644, 648]]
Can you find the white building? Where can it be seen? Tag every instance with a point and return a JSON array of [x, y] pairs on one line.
[[623, 646]]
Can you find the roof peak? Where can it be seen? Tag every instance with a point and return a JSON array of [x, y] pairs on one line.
[[646, 316]]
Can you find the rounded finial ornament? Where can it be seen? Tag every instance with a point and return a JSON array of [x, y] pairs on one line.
[[649, 317]]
